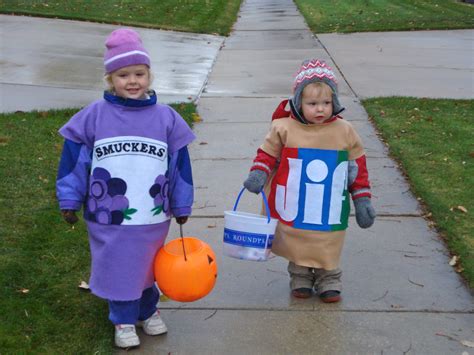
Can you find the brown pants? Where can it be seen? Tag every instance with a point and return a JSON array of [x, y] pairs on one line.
[[322, 280]]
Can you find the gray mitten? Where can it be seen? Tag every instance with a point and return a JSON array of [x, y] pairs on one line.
[[255, 181], [365, 213]]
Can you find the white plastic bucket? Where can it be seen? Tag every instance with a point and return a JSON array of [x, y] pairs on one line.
[[248, 236]]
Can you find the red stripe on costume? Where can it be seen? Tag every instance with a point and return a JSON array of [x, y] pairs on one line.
[[362, 179], [264, 159], [281, 178]]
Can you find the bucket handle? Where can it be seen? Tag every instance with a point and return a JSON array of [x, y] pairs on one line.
[[267, 208]]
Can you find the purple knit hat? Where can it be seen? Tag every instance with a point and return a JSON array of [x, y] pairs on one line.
[[124, 48]]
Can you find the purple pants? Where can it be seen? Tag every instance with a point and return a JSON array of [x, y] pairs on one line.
[[129, 312]]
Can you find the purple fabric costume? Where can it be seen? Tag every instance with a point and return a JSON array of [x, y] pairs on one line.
[[126, 162]]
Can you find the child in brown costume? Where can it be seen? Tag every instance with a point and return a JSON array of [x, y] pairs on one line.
[[310, 161]]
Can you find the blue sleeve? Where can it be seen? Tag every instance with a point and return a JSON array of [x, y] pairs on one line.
[[181, 183], [73, 173]]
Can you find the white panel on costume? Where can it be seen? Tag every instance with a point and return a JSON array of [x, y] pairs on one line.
[[138, 161], [286, 198], [339, 186]]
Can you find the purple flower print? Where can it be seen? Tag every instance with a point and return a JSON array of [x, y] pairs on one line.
[[98, 188], [166, 207], [101, 174], [107, 203], [158, 200], [159, 192], [103, 216]]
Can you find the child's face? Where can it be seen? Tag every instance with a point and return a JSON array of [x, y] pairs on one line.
[[316, 104], [131, 82]]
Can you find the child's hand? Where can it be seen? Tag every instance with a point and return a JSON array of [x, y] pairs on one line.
[[181, 220], [255, 181], [365, 213], [69, 216]]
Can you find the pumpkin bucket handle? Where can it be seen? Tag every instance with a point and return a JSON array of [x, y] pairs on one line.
[[182, 241], [267, 208]]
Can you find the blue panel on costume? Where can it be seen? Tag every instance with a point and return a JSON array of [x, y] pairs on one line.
[[330, 159]]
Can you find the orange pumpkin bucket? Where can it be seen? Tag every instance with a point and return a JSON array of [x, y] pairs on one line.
[[185, 269]]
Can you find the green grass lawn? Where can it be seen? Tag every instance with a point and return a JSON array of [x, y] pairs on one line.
[[200, 16], [42, 259], [346, 16], [433, 140]]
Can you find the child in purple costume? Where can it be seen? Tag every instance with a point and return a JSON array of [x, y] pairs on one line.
[[125, 161]]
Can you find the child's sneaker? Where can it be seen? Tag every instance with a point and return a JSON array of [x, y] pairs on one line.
[[153, 325], [302, 292], [126, 336], [330, 296]]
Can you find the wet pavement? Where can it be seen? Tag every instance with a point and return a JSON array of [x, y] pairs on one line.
[[400, 294], [49, 63], [435, 64]]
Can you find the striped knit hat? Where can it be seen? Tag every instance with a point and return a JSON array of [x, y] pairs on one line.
[[313, 71], [124, 48]]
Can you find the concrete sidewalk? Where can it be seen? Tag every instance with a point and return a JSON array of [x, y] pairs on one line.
[[435, 64], [400, 295], [50, 63]]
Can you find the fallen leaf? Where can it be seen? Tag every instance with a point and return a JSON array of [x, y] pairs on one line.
[[454, 260], [23, 290], [84, 285], [462, 209], [196, 117], [163, 298], [382, 113], [469, 344], [203, 143]]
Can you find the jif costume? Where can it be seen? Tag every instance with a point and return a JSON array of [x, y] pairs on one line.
[[312, 170]]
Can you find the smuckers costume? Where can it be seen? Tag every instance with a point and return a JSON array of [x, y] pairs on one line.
[[308, 190], [127, 162]]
